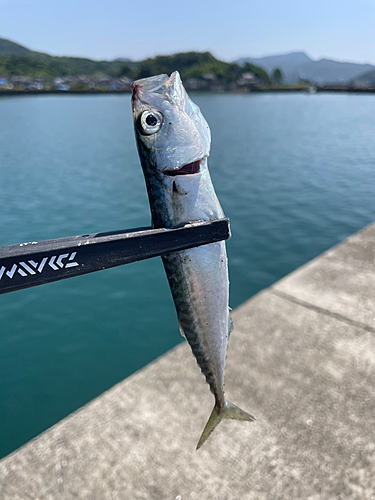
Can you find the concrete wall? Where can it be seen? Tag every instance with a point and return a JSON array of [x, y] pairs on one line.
[[301, 359]]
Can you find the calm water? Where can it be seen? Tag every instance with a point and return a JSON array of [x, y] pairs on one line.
[[295, 174]]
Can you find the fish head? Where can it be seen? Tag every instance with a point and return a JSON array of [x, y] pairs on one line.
[[173, 138]]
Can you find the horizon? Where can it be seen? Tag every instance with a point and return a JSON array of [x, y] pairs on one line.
[[92, 30], [296, 51]]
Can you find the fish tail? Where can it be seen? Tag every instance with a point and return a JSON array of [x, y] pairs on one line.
[[229, 411]]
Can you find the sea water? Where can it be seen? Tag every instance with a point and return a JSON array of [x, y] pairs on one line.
[[295, 173]]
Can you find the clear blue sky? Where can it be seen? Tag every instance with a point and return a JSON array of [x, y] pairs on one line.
[[339, 29]]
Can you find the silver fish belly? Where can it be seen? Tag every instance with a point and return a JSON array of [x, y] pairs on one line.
[[173, 141]]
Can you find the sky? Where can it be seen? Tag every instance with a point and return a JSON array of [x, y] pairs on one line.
[[337, 29]]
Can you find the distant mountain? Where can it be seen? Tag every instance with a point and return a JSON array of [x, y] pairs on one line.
[[298, 65], [365, 80], [8, 48], [122, 59], [286, 62], [328, 71], [16, 61]]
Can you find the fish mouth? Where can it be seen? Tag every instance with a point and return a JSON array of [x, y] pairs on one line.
[[188, 169]]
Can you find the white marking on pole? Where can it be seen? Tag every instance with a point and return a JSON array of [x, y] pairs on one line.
[[2, 271], [33, 263], [28, 268], [12, 271], [42, 264], [72, 264], [61, 257], [21, 272], [51, 263]]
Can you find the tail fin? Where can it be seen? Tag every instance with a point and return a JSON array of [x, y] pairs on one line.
[[229, 411]]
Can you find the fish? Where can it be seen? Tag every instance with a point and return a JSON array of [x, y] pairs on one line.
[[173, 141]]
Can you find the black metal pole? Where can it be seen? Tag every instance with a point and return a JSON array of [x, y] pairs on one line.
[[30, 264]]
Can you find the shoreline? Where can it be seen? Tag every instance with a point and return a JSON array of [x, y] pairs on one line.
[[311, 90]]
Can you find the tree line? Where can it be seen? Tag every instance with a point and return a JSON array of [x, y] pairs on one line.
[[193, 65], [189, 64]]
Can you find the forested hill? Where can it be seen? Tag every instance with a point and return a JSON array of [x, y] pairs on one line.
[[8, 48], [196, 65], [16, 60]]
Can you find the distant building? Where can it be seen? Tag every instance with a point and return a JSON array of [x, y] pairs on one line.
[[104, 79], [34, 86], [248, 79], [63, 87], [125, 80], [82, 79], [21, 80], [195, 84], [209, 77]]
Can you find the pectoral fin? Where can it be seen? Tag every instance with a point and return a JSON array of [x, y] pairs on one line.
[[230, 325]]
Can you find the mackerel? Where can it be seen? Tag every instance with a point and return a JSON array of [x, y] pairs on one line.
[[173, 141]]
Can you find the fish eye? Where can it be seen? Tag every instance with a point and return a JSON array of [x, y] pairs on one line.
[[150, 122]]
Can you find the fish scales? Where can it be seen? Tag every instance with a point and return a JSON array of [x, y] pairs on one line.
[[205, 331], [173, 141]]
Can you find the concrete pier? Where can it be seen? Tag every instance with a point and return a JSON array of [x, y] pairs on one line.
[[301, 359]]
